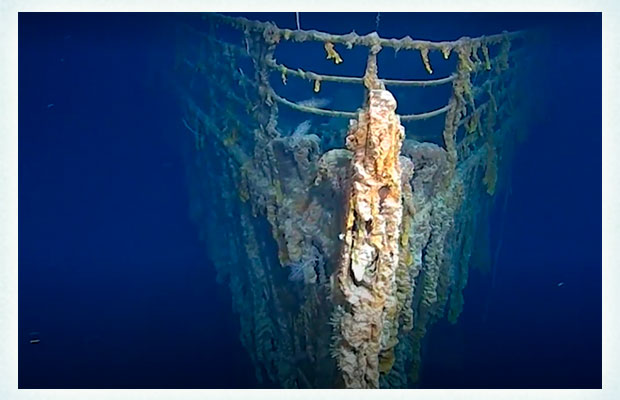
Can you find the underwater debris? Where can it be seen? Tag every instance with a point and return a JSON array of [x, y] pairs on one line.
[[427, 63], [445, 51], [343, 244], [317, 85], [283, 76], [490, 176], [487, 60], [370, 254], [332, 54]]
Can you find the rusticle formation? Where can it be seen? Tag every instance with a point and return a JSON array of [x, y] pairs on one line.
[[341, 243]]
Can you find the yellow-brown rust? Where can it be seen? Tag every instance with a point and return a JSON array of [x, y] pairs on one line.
[[371, 248]]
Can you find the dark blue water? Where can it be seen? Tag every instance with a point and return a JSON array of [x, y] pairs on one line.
[[113, 277]]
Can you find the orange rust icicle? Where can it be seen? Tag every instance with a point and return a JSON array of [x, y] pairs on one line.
[[371, 248]]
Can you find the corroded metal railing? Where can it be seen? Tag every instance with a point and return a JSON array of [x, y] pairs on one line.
[[339, 257]]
